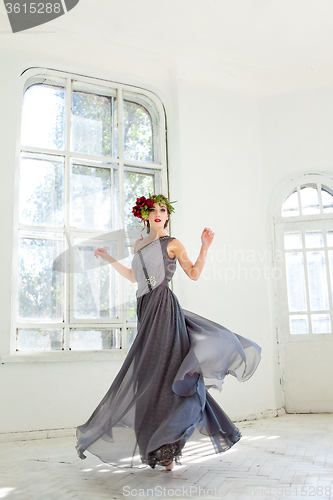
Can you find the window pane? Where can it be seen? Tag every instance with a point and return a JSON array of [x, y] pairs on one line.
[[327, 200], [82, 340], [299, 324], [91, 201], [131, 334], [321, 323], [138, 132], [136, 185], [40, 286], [317, 281], [290, 205], [39, 339], [95, 281], [295, 281], [42, 192], [314, 239], [92, 129], [310, 200], [292, 241], [43, 117]]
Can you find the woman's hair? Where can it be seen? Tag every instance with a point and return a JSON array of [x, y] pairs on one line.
[[164, 200]]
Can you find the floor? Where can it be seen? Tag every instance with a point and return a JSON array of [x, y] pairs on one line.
[[287, 457]]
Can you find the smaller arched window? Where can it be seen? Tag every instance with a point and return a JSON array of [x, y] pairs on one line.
[[305, 237], [308, 199]]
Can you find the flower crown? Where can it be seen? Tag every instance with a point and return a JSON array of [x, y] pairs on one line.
[[141, 209]]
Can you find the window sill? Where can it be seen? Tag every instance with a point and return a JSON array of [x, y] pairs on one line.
[[62, 357]]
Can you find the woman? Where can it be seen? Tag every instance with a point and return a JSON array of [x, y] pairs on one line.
[[161, 390]]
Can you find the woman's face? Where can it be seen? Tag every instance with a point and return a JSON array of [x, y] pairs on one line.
[[158, 215]]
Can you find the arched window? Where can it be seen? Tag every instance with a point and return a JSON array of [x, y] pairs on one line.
[[88, 149], [304, 232]]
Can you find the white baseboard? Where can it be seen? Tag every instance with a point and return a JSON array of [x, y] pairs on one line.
[[58, 433], [265, 414], [42, 434]]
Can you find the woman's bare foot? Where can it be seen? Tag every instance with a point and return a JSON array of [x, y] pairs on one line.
[[169, 467]]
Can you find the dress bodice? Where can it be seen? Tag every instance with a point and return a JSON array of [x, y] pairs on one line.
[[160, 267]]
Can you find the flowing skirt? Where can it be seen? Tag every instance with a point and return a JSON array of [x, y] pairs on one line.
[[159, 396]]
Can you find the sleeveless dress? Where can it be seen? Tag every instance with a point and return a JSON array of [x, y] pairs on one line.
[[159, 397]]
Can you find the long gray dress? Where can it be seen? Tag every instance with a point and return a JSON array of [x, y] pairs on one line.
[[159, 396]]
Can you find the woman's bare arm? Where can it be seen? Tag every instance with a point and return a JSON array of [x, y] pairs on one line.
[[178, 249], [123, 270]]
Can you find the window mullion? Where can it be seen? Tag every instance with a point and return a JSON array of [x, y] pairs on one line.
[[299, 200], [121, 156], [44, 151], [328, 276], [121, 180], [321, 208], [106, 160], [307, 291], [67, 290]]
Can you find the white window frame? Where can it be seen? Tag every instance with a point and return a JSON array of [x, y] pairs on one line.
[[158, 166], [299, 223]]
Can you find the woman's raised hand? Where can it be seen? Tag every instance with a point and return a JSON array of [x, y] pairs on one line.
[[207, 237], [101, 252]]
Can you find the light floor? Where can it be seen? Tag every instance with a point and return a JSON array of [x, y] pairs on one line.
[[288, 457]]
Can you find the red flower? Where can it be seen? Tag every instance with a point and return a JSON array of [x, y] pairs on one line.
[[137, 212], [141, 201], [149, 202]]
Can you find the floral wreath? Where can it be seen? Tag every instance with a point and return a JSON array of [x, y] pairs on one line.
[[141, 209]]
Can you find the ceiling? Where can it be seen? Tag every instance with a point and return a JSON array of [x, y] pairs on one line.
[[256, 35]]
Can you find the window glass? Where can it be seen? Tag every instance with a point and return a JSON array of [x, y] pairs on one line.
[[290, 205], [95, 281], [43, 117], [40, 290], [310, 200], [92, 129], [317, 281], [296, 281], [314, 239], [299, 324], [39, 339], [94, 339], [138, 133], [42, 200], [131, 334], [136, 183], [321, 323], [292, 241], [91, 197], [327, 199]]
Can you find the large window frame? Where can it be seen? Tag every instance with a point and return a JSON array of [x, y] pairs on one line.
[[124, 237], [301, 224]]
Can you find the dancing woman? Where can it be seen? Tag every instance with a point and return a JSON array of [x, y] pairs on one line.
[[161, 390]]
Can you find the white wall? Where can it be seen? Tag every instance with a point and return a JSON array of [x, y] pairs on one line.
[[297, 139], [224, 163]]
